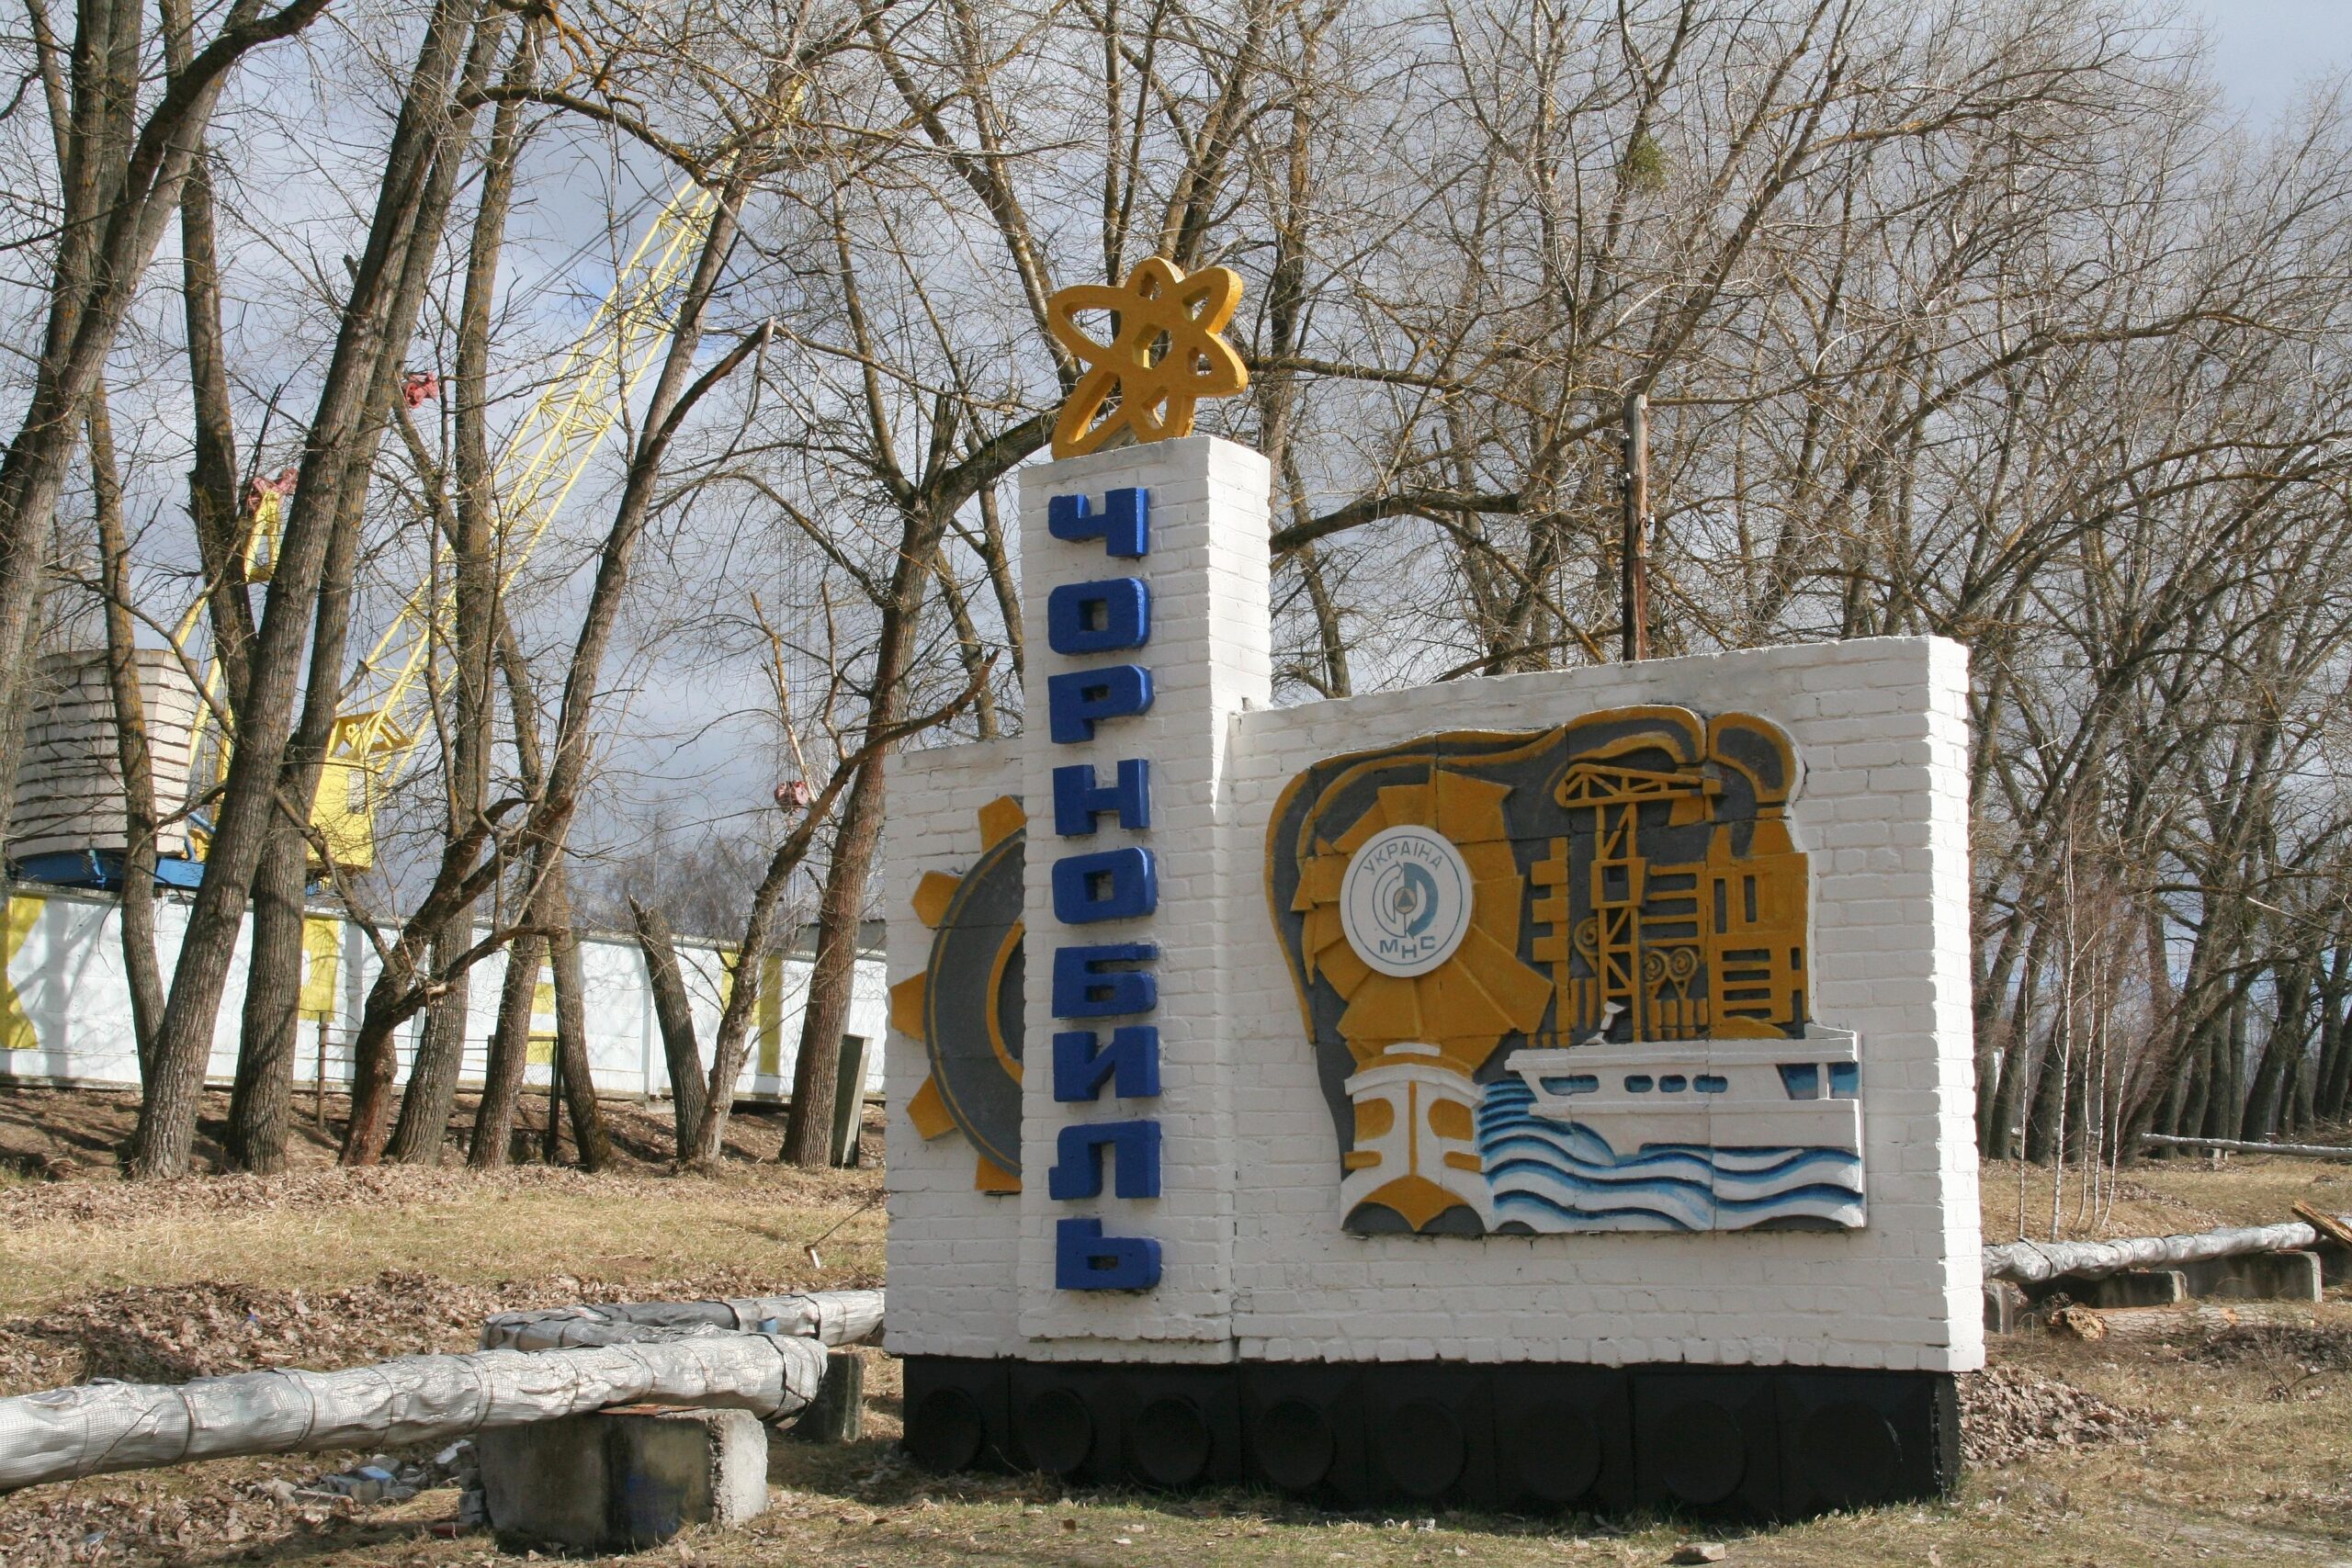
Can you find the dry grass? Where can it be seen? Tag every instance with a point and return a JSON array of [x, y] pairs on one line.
[[319, 1226], [2163, 1196], [525, 1225], [2250, 1459]]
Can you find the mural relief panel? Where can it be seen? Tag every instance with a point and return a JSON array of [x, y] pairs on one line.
[[1556, 981]]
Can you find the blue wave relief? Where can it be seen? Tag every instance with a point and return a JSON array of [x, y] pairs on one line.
[[1556, 1175]]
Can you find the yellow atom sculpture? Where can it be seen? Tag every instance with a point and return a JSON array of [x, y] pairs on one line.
[[1164, 355]]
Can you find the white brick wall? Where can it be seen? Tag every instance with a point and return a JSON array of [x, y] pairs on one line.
[[1880, 732], [1209, 658], [1256, 1264], [954, 1245]]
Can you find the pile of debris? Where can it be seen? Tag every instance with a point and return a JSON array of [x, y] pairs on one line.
[[383, 1479], [2008, 1413]]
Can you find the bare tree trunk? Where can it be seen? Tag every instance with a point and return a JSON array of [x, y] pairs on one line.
[[406, 983], [2303, 1096], [593, 1145], [510, 1045], [2335, 1038], [433, 1079], [423, 1121], [969, 647], [688, 1094], [263, 1114], [2185, 1110], [213, 475], [1992, 986], [2042, 1128], [262, 1099], [2018, 1060], [2290, 1031], [509, 1054], [140, 827], [275, 973], [808, 1132], [2218, 1104], [375, 1061], [396, 994], [261, 1103], [742, 999]]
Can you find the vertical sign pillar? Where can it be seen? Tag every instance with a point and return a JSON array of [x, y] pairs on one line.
[[1144, 591]]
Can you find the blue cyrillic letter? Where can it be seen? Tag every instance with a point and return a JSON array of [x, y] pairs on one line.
[[1079, 800], [1108, 884], [1076, 702], [1077, 1164], [1099, 618], [1123, 525], [1086, 1259], [1130, 1063], [1084, 989]]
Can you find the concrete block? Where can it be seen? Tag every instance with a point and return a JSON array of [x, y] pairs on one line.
[[622, 1480], [2004, 1306], [2261, 1277], [837, 1413], [2146, 1287]]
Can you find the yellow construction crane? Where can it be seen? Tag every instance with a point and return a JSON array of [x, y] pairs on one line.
[[370, 750]]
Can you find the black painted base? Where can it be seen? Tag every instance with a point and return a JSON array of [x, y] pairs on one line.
[[1734, 1442]]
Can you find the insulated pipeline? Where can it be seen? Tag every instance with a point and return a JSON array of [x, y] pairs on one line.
[[92, 1429], [2031, 1262], [830, 1317]]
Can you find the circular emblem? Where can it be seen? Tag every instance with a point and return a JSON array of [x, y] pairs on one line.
[[972, 1011], [1405, 902]]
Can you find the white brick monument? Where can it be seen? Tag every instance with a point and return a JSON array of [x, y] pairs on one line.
[[1549, 1090]]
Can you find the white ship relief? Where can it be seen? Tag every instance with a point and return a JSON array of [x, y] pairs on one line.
[[1693, 1134], [1727, 1093]]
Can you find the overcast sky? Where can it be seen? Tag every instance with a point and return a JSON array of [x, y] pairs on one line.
[[2264, 50]]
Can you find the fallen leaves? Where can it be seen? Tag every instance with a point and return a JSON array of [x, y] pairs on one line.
[[2006, 1412]]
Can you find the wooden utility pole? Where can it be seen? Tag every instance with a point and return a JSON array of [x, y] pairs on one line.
[[1633, 547]]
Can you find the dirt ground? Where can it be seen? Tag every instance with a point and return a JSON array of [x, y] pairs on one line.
[[2226, 1446]]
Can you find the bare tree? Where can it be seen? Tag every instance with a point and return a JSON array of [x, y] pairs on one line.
[[119, 182], [387, 290]]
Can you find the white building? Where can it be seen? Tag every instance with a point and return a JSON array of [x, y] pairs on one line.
[[65, 1003]]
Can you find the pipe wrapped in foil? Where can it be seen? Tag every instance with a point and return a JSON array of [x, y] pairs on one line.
[[96, 1427], [830, 1317]]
